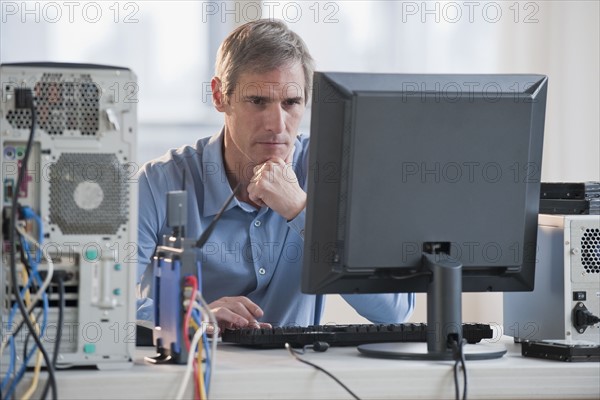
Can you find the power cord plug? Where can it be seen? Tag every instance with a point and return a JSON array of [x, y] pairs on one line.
[[582, 317], [23, 98]]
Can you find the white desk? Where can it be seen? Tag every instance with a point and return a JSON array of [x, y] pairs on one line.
[[263, 374]]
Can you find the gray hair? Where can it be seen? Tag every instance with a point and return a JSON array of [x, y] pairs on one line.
[[261, 45]]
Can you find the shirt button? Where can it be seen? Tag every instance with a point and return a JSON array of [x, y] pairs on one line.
[[262, 271], [257, 223]]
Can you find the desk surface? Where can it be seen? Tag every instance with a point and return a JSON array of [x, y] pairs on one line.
[[262, 374]]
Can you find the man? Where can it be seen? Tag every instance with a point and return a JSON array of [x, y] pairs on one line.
[[251, 265]]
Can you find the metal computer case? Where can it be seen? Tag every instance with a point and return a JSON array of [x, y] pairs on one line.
[[81, 181]]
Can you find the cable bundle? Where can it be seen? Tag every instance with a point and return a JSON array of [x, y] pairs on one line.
[[201, 353], [30, 280]]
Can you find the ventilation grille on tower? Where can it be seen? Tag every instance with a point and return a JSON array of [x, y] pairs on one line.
[[88, 194], [590, 250], [62, 105]]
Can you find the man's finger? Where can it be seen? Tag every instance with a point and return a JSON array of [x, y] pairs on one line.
[[290, 156], [251, 306], [242, 305], [229, 319]]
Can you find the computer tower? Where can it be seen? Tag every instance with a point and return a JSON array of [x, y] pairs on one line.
[[80, 187], [567, 283]]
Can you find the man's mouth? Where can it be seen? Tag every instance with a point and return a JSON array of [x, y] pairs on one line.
[[272, 143]]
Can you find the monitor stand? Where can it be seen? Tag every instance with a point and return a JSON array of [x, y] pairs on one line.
[[444, 320]]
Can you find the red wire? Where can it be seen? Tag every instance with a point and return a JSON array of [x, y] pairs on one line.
[[189, 281]]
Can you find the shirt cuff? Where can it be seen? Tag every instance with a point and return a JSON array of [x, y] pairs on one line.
[[145, 309], [297, 224]]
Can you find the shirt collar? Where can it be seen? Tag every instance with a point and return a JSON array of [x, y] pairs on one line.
[[216, 185]]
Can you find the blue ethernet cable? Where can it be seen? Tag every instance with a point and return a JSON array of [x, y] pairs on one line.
[[17, 378], [28, 213], [13, 349], [196, 317], [13, 356], [34, 276], [31, 353], [207, 371], [21, 372], [205, 344], [207, 350]]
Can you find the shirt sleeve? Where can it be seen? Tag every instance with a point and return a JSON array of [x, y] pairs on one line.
[[388, 308], [150, 211], [297, 224], [301, 169]]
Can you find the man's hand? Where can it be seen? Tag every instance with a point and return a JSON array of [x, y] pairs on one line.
[[275, 185], [237, 312]]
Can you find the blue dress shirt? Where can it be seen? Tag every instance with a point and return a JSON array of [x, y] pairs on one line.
[[252, 252]]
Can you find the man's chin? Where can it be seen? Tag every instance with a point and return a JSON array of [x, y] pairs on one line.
[[276, 154]]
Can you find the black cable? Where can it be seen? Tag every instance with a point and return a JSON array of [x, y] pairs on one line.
[[295, 353], [206, 234], [58, 337], [26, 343], [61, 315], [12, 255], [456, 386], [18, 329], [464, 368], [416, 274], [459, 357]]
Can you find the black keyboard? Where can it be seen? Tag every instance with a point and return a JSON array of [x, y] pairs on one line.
[[343, 335]]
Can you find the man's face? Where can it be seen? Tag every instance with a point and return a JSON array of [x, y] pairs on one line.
[[262, 115]]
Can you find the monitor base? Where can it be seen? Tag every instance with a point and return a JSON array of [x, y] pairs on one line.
[[418, 351]]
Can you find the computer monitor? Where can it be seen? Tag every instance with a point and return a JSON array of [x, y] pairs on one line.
[[424, 183]]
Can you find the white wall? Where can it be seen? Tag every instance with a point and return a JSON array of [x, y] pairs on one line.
[[477, 307], [171, 45]]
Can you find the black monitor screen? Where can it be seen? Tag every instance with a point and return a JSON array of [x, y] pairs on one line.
[[402, 161], [407, 165]]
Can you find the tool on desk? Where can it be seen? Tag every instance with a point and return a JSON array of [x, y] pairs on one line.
[[174, 263]]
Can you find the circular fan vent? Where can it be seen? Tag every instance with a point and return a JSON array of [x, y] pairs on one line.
[[88, 194]]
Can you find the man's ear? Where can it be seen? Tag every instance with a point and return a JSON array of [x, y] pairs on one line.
[[218, 97]]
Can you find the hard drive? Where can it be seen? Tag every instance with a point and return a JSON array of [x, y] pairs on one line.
[[561, 350]]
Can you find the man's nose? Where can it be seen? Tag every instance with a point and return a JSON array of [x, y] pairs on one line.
[[274, 119]]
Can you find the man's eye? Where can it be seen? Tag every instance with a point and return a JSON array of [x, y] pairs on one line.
[[292, 102], [257, 100]]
